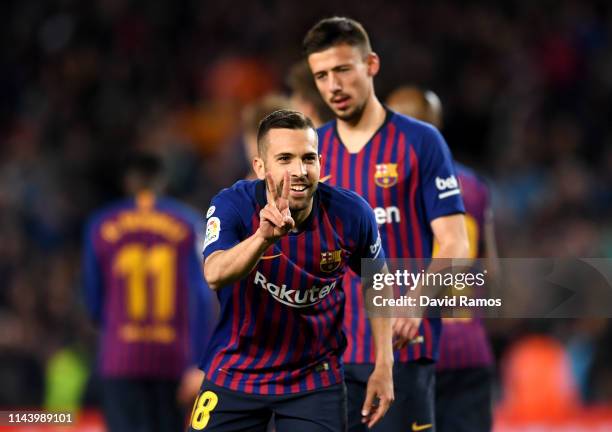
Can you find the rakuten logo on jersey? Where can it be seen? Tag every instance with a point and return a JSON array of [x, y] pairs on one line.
[[449, 185], [387, 215], [294, 298]]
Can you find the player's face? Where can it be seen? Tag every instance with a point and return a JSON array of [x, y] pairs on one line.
[[343, 75], [293, 150]]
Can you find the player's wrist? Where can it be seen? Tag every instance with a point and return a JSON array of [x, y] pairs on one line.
[[384, 362], [262, 240]]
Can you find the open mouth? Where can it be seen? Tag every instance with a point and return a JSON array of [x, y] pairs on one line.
[[299, 188]]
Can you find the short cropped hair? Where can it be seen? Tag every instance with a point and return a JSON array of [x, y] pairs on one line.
[[147, 166], [330, 32], [281, 119]]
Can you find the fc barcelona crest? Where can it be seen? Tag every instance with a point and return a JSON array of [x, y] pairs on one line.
[[386, 175], [330, 260]]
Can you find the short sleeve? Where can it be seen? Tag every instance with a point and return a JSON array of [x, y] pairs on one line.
[[369, 245], [439, 185], [223, 226]]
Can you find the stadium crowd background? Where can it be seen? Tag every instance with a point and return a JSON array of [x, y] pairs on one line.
[[527, 90]]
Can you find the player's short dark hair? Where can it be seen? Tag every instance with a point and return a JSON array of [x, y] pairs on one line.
[[281, 119], [301, 81], [147, 166], [334, 31]]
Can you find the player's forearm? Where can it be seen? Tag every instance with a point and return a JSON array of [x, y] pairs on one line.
[[454, 244], [451, 245], [455, 247], [451, 235], [226, 267], [382, 329], [382, 334]]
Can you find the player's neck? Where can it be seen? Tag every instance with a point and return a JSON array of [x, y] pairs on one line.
[[300, 216], [356, 135]]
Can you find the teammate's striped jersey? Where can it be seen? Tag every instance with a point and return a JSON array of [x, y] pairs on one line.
[[464, 342], [405, 172], [280, 329], [144, 286]]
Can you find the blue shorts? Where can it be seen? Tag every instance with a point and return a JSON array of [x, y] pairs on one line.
[[218, 409], [413, 408], [141, 405], [464, 400]]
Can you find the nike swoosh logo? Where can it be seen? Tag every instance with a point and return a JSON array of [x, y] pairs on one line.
[[416, 427], [271, 256], [324, 179]]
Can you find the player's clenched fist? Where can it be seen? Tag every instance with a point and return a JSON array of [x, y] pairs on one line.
[[275, 219]]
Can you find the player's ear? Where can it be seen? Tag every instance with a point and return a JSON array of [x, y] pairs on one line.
[[259, 168], [373, 62]]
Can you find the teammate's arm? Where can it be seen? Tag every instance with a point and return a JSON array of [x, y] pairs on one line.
[[379, 391], [224, 267], [380, 382], [92, 276], [490, 244], [451, 235], [444, 209]]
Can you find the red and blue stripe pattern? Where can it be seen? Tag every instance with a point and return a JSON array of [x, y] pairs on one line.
[[280, 330], [396, 174]]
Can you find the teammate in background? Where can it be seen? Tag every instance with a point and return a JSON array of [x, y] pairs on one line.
[[252, 115], [144, 287], [463, 371], [276, 250], [403, 168], [305, 96]]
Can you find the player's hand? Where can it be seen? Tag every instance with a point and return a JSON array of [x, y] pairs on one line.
[[190, 384], [275, 219], [379, 395], [404, 330]]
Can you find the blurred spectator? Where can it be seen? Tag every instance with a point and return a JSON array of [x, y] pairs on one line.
[[538, 383]]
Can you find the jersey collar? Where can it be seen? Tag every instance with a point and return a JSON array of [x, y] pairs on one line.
[[388, 115]]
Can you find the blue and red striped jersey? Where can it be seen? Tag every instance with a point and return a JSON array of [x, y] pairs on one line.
[[144, 286], [405, 172], [464, 342], [280, 329]]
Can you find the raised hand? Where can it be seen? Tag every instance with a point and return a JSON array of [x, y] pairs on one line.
[[275, 219]]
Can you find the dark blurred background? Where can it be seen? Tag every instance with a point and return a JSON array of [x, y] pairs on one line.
[[527, 92]]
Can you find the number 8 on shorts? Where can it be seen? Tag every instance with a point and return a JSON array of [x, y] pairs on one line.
[[203, 406]]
